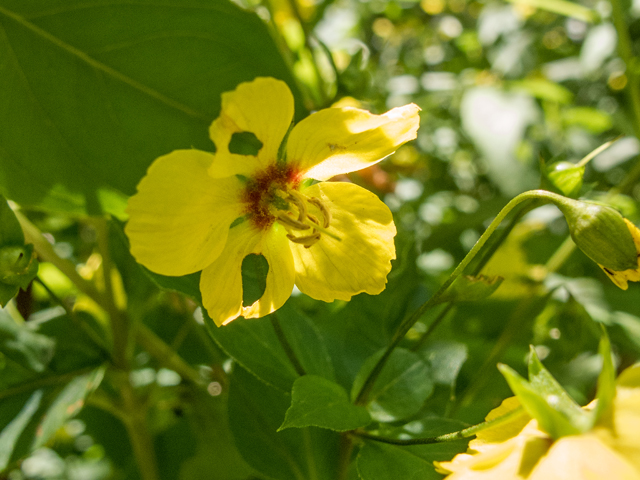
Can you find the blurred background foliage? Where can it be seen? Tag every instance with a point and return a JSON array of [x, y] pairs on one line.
[[107, 372]]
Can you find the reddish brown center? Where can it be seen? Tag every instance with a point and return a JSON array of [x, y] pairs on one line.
[[260, 192]]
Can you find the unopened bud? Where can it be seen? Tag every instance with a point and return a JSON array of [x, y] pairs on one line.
[[601, 233]]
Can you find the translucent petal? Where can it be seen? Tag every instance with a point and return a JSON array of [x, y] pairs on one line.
[[221, 283], [263, 107], [579, 457], [360, 262], [180, 217], [342, 140]]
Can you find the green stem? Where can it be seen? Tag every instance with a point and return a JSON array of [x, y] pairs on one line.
[[625, 50], [93, 335], [344, 459], [119, 324], [447, 437], [406, 325], [286, 346], [135, 421], [166, 355]]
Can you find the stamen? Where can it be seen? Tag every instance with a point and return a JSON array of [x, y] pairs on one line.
[[307, 241], [326, 213], [291, 222], [298, 200]]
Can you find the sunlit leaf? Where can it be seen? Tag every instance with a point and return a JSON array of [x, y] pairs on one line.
[[99, 90]]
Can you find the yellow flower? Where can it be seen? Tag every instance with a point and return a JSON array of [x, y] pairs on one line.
[[611, 450], [632, 274], [198, 211]]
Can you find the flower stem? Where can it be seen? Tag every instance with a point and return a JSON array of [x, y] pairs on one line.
[[406, 325], [286, 346], [625, 50], [447, 437]]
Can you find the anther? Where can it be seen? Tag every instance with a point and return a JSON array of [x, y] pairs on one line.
[[326, 213], [292, 222], [307, 240]]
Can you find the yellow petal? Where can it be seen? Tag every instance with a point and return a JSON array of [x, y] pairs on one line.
[[221, 283], [332, 269], [627, 425], [342, 140], [180, 217], [510, 460], [263, 107], [583, 457]]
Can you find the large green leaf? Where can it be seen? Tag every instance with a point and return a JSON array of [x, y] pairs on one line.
[[256, 411], [318, 402], [93, 91], [379, 461], [402, 387], [253, 343]]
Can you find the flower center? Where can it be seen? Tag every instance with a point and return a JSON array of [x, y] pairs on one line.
[[272, 196]]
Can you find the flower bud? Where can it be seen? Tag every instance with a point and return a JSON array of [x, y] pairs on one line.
[[601, 233]]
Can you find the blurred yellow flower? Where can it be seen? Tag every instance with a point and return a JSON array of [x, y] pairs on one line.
[[198, 211], [632, 274], [611, 450]]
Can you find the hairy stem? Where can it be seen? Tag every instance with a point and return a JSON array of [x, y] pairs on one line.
[[405, 326], [447, 437]]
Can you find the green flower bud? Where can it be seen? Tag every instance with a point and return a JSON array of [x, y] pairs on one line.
[[601, 233], [18, 265]]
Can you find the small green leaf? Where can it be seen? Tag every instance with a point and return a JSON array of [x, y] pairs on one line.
[[24, 346], [18, 265], [66, 405], [10, 230], [566, 177], [595, 121], [318, 402], [606, 381], [400, 390], [562, 7], [543, 399], [469, 288], [544, 89]]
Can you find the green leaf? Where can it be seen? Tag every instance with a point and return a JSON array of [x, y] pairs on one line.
[[595, 121], [101, 89], [255, 413], [379, 461], [544, 89], [254, 345], [400, 390], [24, 346], [562, 7], [545, 400], [606, 381], [565, 177], [446, 359], [10, 230], [66, 405], [39, 394], [318, 402]]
